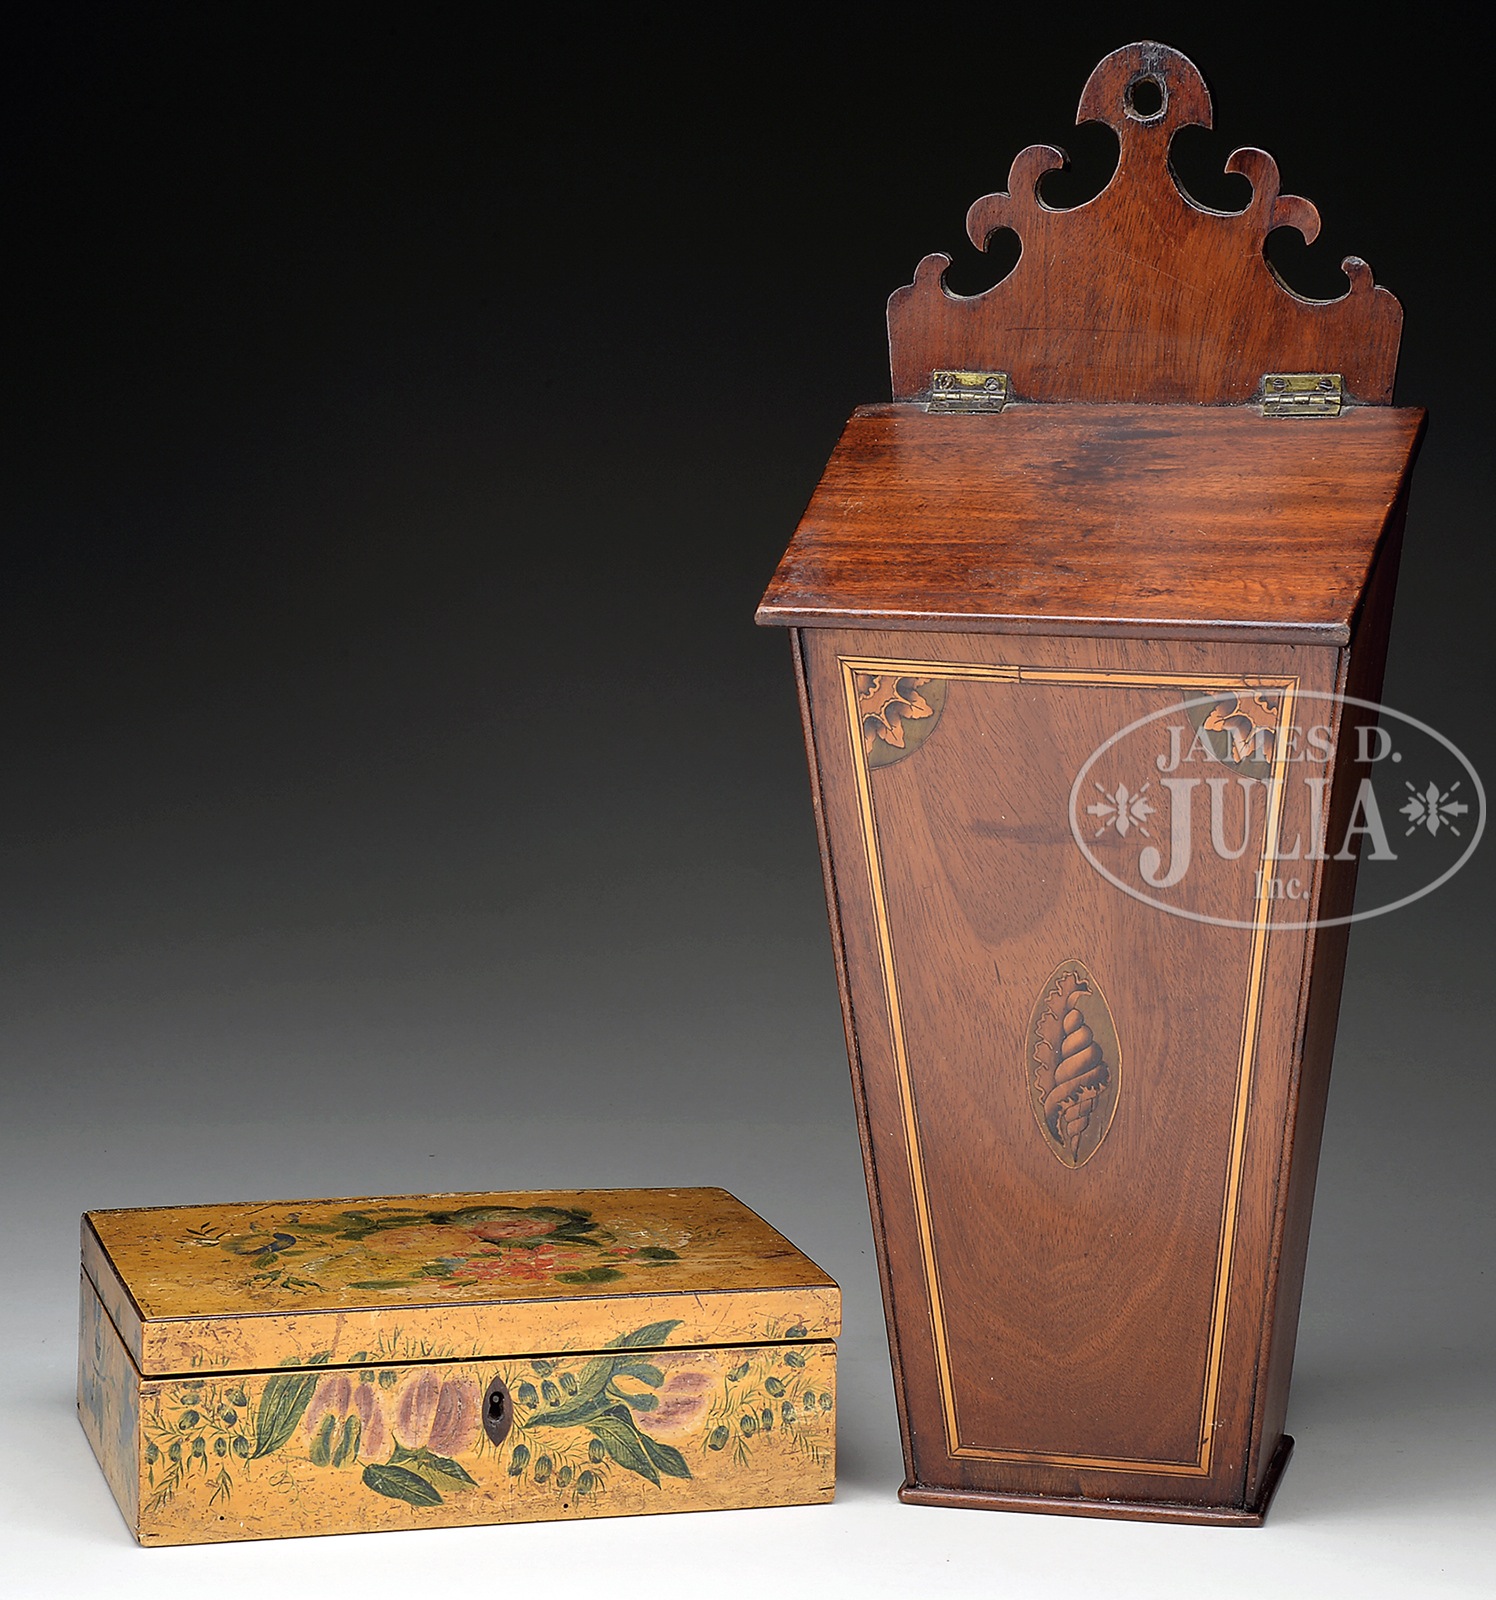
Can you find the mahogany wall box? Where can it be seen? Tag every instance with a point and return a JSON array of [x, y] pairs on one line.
[[1137, 479]]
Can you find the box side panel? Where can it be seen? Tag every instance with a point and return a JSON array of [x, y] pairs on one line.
[[1078, 1311], [109, 1402], [831, 864], [1362, 669], [118, 1303], [402, 1445]]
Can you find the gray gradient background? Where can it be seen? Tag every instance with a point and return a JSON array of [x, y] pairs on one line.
[[407, 416]]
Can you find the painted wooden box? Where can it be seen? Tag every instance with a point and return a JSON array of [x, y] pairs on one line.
[[1136, 502], [334, 1366]]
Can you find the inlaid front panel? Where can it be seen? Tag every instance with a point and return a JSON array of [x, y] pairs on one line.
[[1061, 1076]]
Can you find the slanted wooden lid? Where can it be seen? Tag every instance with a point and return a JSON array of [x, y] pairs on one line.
[[1191, 522], [1133, 486], [248, 1287]]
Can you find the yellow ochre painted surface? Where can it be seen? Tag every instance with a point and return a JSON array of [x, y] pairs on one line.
[[109, 1401], [397, 1442], [247, 1286]]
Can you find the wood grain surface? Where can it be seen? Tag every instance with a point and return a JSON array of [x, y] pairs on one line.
[[1148, 521], [1142, 293], [1108, 1335]]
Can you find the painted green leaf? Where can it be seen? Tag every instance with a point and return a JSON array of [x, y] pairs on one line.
[[644, 1371], [426, 1463], [321, 1447], [399, 1483], [667, 1459], [281, 1407], [650, 1333], [590, 1275], [359, 1224], [654, 1252], [347, 1448], [620, 1438], [582, 1410], [384, 1283], [640, 1402]]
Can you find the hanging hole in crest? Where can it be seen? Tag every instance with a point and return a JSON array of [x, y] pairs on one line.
[[1146, 99]]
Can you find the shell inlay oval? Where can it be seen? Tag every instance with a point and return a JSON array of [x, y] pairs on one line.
[[1073, 1064]]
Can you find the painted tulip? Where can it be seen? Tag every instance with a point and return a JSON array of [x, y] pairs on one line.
[[437, 1413], [684, 1397], [344, 1421]]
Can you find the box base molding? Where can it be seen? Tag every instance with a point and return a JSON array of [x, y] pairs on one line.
[[918, 1494]]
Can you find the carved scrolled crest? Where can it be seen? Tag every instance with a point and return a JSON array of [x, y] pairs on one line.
[[1142, 293]]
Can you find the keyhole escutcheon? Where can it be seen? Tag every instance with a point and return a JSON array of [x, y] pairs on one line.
[[498, 1411]]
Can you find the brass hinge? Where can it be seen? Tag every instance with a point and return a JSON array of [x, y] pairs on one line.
[[969, 391], [1302, 394]]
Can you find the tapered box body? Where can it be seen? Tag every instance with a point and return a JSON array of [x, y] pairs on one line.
[[1091, 1279], [344, 1366]]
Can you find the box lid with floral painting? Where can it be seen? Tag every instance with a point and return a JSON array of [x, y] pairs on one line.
[[256, 1285]]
